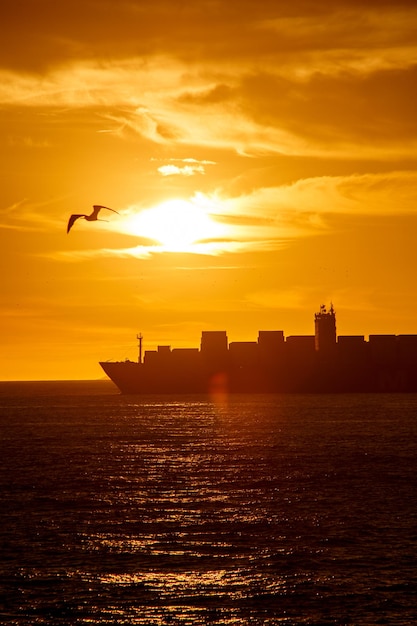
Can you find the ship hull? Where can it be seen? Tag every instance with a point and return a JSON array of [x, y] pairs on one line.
[[136, 378], [316, 377]]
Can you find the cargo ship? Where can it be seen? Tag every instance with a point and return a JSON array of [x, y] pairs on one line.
[[319, 363]]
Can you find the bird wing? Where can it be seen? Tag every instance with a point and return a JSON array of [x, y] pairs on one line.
[[97, 208], [72, 220]]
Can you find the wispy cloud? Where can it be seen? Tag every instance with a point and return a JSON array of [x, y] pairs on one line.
[[184, 167], [265, 219], [389, 193], [25, 215], [175, 170], [203, 248], [293, 103]]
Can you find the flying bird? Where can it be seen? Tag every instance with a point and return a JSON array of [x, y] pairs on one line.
[[93, 217]]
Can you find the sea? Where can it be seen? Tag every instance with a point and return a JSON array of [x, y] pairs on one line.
[[195, 510]]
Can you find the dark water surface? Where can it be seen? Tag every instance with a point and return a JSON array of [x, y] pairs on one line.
[[293, 509]]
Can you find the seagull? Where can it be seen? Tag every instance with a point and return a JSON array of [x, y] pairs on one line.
[[90, 218]]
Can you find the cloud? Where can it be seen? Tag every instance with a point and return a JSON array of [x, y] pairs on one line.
[[56, 33], [269, 113], [191, 167], [263, 220], [186, 170], [335, 81], [390, 193], [205, 248]]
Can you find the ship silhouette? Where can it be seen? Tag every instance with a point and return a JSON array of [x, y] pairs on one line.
[[319, 363]]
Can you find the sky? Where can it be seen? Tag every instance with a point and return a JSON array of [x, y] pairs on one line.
[[261, 157]]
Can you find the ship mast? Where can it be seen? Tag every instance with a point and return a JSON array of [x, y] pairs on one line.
[[139, 338]]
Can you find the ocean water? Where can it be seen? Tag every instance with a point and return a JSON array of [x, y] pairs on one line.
[[281, 509]]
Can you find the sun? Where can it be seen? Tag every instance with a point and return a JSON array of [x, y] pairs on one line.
[[177, 225]]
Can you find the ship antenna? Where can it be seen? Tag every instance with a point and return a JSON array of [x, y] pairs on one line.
[[139, 338]]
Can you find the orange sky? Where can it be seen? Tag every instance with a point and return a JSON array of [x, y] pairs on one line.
[[262, 157]]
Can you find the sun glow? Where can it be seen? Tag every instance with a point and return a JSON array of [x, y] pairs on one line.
[[177, 225]]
